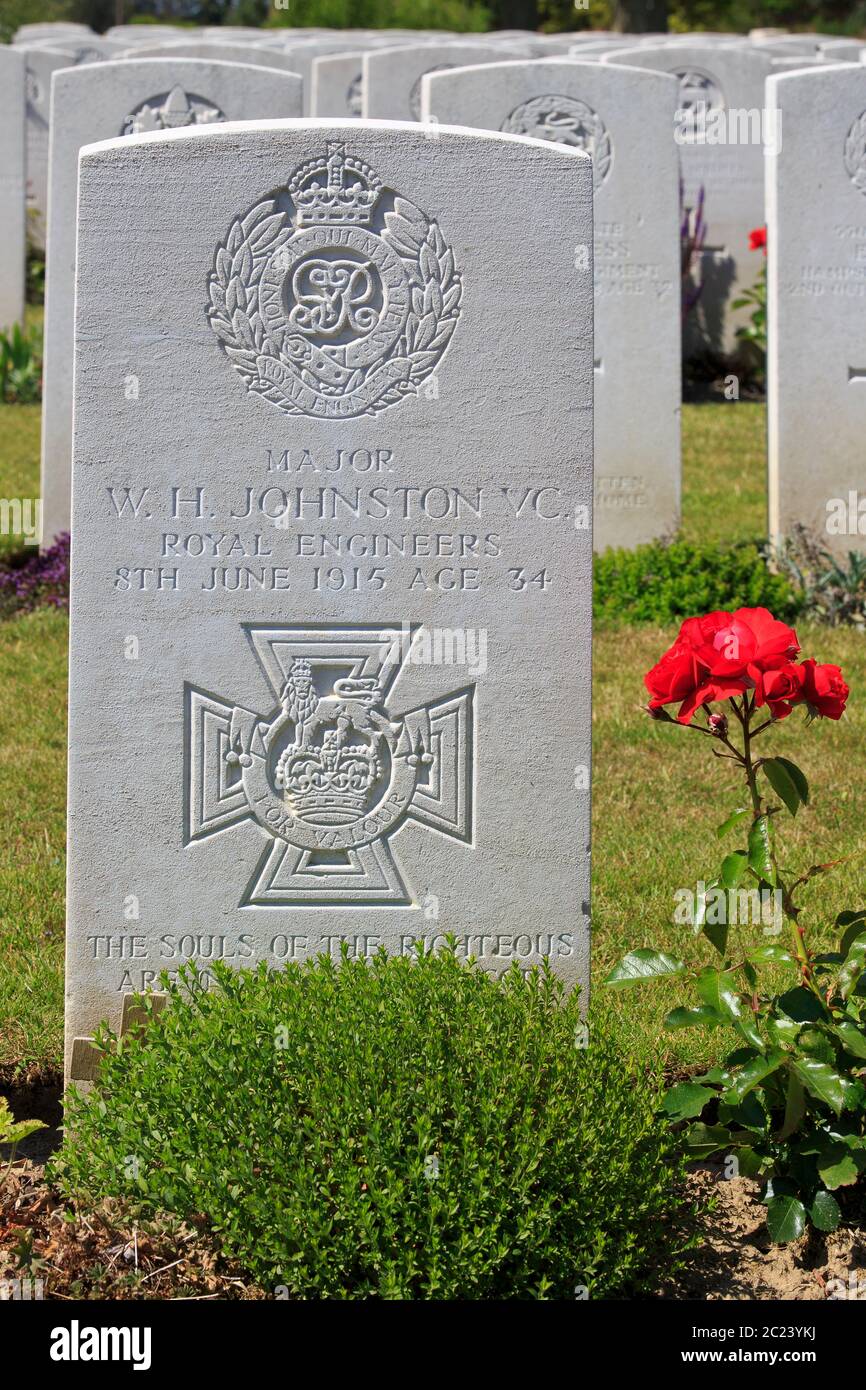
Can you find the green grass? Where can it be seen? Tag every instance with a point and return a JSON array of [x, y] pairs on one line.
[[724, 472], [657, 793]]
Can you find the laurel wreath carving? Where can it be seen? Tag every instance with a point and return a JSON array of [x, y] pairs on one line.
[[253, 241], [855, 153]]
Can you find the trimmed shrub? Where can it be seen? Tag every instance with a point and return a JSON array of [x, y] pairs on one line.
[[394, 1128], [662, 583]]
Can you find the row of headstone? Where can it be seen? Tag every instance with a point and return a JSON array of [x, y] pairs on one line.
[[606, 95], [325, 555], [816, 268]]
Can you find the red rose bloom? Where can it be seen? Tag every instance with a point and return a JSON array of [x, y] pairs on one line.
[[758, 239], [824, 688], [674, 677], [740, 645], [780, 689]]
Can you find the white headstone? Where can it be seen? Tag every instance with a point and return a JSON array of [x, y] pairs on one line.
[[622, 117], [392, 76], [330, 674], [816, 235], [41, 63], [337, 84], [723, 153], [12, 188], [133, 97]]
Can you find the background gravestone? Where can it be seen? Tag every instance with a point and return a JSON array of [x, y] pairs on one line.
[[722, 77], [622, 117], [41, 63], [12, 189], [336, 86], [392, 439], [136, 96], [816, 274], [392, 76]]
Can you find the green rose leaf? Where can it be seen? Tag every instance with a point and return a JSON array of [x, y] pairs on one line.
[[642, 965], [702, 1140], [760, 850], [782, 1030], [733, 867], [782, 783], [852, 1037], [795, 1108], [734, 819], [786, 1219], [825, 1212], [716, 988], [753, 1073], [852, 969], [837, 1166], [683, 1017], [797, 776], [828, 1085], [801, 1005], [686, 1101], [772, 954]]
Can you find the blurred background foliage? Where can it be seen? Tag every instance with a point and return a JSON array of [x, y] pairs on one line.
[[830, 16]]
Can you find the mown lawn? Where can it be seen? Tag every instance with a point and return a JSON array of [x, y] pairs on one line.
[[657, 791]]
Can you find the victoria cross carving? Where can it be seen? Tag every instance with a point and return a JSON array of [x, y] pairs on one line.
[[331, 771], [335, 298]]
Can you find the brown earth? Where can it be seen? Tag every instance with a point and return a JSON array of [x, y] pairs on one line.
[[103, 1252]]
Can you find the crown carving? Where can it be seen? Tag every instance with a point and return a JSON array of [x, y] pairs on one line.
[[328, 785], [335, 190]]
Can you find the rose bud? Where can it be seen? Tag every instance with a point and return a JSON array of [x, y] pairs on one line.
[[718, 725]]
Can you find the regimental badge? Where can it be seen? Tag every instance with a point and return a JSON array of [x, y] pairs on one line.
[[172, 110], [565, 121], [338, 299], [700, 92], [331, 773]]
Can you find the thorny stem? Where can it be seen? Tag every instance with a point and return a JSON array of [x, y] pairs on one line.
[[750, 767]]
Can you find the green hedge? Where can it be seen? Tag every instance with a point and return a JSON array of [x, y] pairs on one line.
[[398, 1129], [662, 583]]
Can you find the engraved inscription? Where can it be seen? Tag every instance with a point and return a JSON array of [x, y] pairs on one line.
[[331, 773], [341, 309], [565, 121]]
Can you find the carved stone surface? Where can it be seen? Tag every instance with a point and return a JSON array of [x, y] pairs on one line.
[[12, 188], [330, 670], [622, 118], [816, 273], [99, 103]]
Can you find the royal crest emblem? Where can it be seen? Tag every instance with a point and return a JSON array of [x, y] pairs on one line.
[[565, 121], [172, 110], [336, 299], [331, 773]]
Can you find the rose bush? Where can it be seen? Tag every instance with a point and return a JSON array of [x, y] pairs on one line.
[[788, 1101]]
